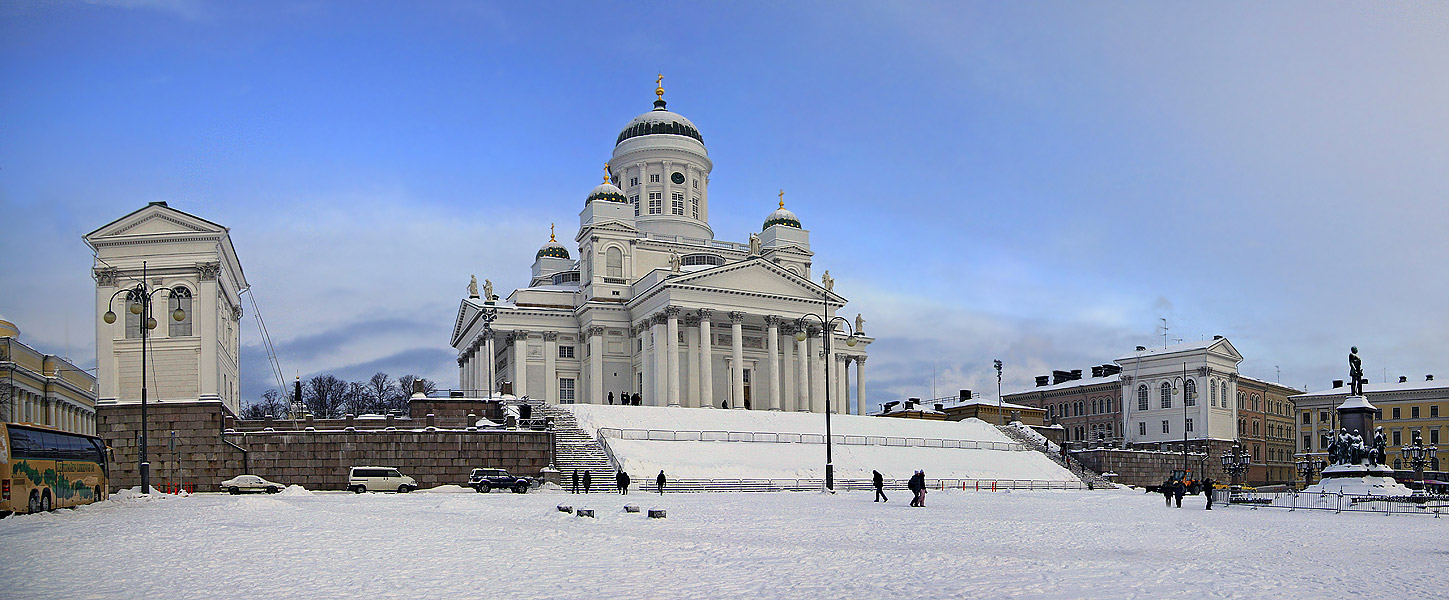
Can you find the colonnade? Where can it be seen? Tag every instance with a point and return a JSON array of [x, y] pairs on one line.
[[29, 407], [473, 370]]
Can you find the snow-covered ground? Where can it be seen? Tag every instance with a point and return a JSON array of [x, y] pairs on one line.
[[770, 460], [1059, 544]]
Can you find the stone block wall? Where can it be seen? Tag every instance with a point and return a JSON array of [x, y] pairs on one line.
[[317, 460]]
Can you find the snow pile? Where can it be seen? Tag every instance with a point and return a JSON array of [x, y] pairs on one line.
[[296, 490], [768, 460], [448, 489]]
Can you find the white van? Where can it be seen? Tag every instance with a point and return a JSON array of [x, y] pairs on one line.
[[377, 479]]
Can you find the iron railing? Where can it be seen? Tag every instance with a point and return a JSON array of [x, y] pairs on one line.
[[1336, 502], [664, 435]]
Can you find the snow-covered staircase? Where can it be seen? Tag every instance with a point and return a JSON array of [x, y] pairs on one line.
[[577, 450], [1087, 476]]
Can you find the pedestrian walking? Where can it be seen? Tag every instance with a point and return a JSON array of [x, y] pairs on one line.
[[879, 482], [1207, 490], [586, 482], [1167, 491], [917, 486], [1178, 491], [659, 482], [576, 481], [622, 480]]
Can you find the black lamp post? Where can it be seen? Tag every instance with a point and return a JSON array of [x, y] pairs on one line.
[[1418, 456], [489, 314], [826, 330], [1235, 462], [138, 300], [999, 408], [1307, 466]]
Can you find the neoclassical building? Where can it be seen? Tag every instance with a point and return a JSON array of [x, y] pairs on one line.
[[43, 389], [655, 305]]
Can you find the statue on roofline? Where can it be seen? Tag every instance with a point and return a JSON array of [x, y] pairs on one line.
[[472, 286], [488, 290]]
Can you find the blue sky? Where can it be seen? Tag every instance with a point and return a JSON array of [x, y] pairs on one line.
[[1036, 182]]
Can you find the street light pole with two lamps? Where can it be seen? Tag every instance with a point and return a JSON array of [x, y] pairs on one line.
[[827, 329]]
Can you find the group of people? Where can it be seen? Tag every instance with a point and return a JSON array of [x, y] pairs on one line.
[[625, 398], [917, 485], [621, 481], [1173, 489]]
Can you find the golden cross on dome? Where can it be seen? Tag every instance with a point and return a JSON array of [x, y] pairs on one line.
[[550, 233], [782, 198], [606, 172], [659, 91]]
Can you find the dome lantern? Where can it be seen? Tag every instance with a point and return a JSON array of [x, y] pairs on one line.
[[553, 249], [782, 216], [607, 191]]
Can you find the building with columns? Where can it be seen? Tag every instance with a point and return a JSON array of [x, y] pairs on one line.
[[43, 389], [191, 359], [654, 305]]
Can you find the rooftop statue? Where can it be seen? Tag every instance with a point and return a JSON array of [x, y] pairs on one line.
[[472, 286]]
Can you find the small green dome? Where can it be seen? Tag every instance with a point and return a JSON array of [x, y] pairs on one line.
[[607, 192]]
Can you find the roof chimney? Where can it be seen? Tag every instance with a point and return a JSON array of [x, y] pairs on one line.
[[1097, 371], [1076, 374], [1110, 370], [1142, 348], [1429, 377], [1403, 379], [1337, 383], [940, 407], [1042, 380], [1217, 337]]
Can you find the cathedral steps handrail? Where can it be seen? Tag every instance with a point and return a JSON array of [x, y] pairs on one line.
[[687, 485], [769, 437]]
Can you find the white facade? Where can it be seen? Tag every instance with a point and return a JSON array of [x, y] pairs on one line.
[[654, 305], [194, 359], [1163, 389]]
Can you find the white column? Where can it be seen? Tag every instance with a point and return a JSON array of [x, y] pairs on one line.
[[841, 376], [462, 373], [772, 346], [860, 385], [737, 351], [550, 367], [671, 347], [706, 359], [488, 374], [691, 345], [205, 306], [817, 373], [787, 399], [596, 365], [646, 361], [520, 363], [659, 329], [802, 372]]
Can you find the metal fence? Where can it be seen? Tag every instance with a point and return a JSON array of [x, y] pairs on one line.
[[664, 435], [799, 485], [1336, 502]]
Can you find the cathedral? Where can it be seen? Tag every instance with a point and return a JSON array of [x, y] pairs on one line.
[[653, 309]]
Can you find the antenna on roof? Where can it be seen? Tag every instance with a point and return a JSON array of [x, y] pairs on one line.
[[1164, 332]]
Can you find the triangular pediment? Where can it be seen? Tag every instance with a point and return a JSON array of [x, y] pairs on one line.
[[466, 312], [755, 276], [155, 219]]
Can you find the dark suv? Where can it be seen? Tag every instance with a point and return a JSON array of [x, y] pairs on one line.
[[485, 480]]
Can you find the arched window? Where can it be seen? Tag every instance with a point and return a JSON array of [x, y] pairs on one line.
[[180, 298], [1166, 390], [614, 263], [1142, 397], [133, 321], [1213, 392], [1256, 405], [1189, 395]]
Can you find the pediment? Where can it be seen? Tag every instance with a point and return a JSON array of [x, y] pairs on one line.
[[158, 220], [466, 311], [755, 276]]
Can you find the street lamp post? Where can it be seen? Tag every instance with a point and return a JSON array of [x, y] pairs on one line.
[[1235, 462], [1307, 466], [999, 408], [1419, 456], [489, 314], [827, 330], [138, 300]]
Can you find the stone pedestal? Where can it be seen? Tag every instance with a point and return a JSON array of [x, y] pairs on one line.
[[1365, 478]]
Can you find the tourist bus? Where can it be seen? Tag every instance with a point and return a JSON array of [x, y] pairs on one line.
[[43, 469]]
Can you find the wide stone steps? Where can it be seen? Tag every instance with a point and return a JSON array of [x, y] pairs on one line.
[[577, 451], [1087, 476]]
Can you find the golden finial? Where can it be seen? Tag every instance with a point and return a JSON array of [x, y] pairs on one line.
[[659, 91], [606, 172], [550, 233], [782, 198]]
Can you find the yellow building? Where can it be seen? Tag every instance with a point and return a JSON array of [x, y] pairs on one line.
[[43, 389]]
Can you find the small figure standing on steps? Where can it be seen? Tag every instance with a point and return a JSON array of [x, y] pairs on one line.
[[659, 482], [622, 480], [576, 481], [587, 482], [879, 483]]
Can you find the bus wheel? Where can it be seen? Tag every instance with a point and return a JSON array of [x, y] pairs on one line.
[[34, 501], [45, 504]]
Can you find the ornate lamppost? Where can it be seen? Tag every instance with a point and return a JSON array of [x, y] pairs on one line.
[[138, 301], [1307, 466], [1418, 456], [1235, 463], [827, 329]]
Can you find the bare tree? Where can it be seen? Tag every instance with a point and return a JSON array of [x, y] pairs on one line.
[[324, 395], [358, 400], [382, 391], [406, 385], [270, 404]]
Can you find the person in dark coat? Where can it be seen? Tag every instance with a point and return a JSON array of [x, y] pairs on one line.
[[917, 486], [1179, 489], [586, 482], [659, 482], [622, 480], [879, 482], [1207, 490], [611, 398], [576, 481], [1167, 491]]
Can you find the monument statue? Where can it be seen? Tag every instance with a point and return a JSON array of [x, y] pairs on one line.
[[827, 281], [754, 245], [488, 290], [1355, 372], [472, 286], [1377, 455], [859, 324], [674, 262]]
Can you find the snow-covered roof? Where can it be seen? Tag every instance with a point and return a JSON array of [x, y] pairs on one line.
[[1066, 385], [1380, 388], [992, 403]]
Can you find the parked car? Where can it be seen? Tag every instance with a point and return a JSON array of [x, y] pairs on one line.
[[379, 479], [250, 483], [485, 480]]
